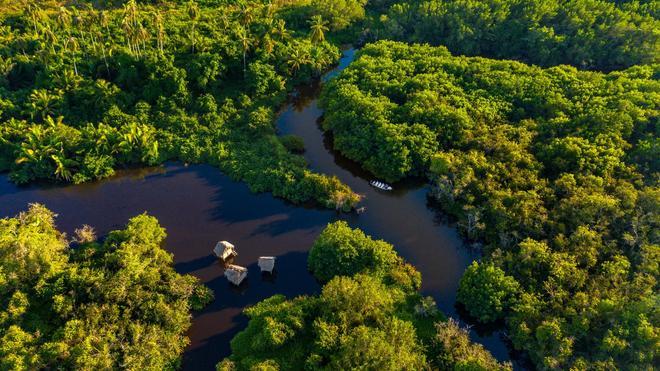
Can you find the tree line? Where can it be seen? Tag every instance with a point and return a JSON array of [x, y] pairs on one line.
[[589, 34], [551, 172]]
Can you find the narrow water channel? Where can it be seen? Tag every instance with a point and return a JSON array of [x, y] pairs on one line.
[[198, 206], [402, 217]]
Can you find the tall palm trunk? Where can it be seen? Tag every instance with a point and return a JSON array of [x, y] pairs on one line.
[[105, 59]]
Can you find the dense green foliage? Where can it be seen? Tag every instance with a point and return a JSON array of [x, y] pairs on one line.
[[342, 251], [85, 91], [340, 13], [293, 143], [368, 316], [452, 349], [487, 291], [110, 305], [554, 170], [592, 34]]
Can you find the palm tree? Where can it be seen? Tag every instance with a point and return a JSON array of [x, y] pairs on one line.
[[72, 44], [269, 44], [79, 23], [34, 12], [106, 138], [141, 36], [62, 166], [104, 21], [297, 59], [193, 13], [99, 34], [131, 12], [42, 102], [90, 20], [246, 42], [160, 31], [67, 80], [130, 24], [32, 150], [6, 65], [224, 20], [318, 27], [268, 10], [64, 19], [246, 13], [319, 60], [36, 148], [281, 31], [127, 27], [49, 38]]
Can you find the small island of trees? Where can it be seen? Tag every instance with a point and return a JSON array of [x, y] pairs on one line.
[[369, 315]]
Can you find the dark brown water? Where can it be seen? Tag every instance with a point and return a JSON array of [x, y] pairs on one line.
[[198, 206]]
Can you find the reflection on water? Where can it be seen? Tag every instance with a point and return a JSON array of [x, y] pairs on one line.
[[198, 206]]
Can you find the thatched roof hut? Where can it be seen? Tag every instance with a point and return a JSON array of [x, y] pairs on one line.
[[235, 273], [224, 250], [267, 263]]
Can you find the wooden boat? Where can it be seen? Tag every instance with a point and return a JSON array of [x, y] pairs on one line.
[[380, 185]]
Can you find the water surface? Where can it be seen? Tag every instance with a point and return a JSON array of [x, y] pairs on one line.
[[198, 206]]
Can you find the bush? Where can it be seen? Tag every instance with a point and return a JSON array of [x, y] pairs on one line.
[[342, 251], [293, 143], [452, 349], [487, 292]]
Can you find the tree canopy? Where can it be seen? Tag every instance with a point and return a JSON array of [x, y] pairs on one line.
[[550, 168], [115, 304], [551, 171], [591, 34]]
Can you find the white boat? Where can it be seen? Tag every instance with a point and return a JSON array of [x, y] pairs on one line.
[[381, 185]]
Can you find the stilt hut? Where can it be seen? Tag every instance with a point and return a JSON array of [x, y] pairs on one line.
[[267, 263], [224, 250], [235, 273]]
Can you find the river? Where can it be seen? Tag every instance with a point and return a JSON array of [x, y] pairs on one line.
[[198, 205]]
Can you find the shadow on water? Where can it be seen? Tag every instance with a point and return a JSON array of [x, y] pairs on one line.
[[198, 206]]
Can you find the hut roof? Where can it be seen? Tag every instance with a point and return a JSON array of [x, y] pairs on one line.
[[235, 273], [266, 263], [224, 250]]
